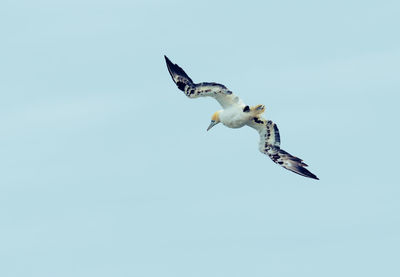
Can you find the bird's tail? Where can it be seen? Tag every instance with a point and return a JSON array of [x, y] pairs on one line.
[[257, 110]]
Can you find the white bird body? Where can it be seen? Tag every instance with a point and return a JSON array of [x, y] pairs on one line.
[[234, 117], [236, 114]]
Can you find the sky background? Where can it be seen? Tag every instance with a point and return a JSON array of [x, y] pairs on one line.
[[107, 168]]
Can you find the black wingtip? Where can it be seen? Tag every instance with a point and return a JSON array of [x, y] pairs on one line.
[[170, 67], [175, 69], [166, 59], [307, 173]]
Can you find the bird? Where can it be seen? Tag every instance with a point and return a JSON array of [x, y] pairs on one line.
[[236, 114]]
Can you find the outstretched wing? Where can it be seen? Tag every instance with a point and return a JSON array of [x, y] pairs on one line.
[[270, 145], [224, 96]]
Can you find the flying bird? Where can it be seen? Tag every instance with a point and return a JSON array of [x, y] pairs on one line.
[[236, 114]]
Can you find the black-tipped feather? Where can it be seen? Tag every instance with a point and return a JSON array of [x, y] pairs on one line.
[[224, 96], [175, 70], [270, 145], [288, 161]]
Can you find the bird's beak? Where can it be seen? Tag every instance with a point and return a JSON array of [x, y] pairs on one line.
[[212, 124]]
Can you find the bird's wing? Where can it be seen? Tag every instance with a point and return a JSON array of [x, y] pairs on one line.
[[270, 145], [224, 96]]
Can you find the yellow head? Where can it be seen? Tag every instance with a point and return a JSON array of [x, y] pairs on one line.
[[215, 116], [214, 120]]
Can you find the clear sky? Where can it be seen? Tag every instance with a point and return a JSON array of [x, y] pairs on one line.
[[107, 168]]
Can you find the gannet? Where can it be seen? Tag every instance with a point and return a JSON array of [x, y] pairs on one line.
[[236, 114]]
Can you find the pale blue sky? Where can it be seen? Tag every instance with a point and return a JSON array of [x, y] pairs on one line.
[[107, 168]]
